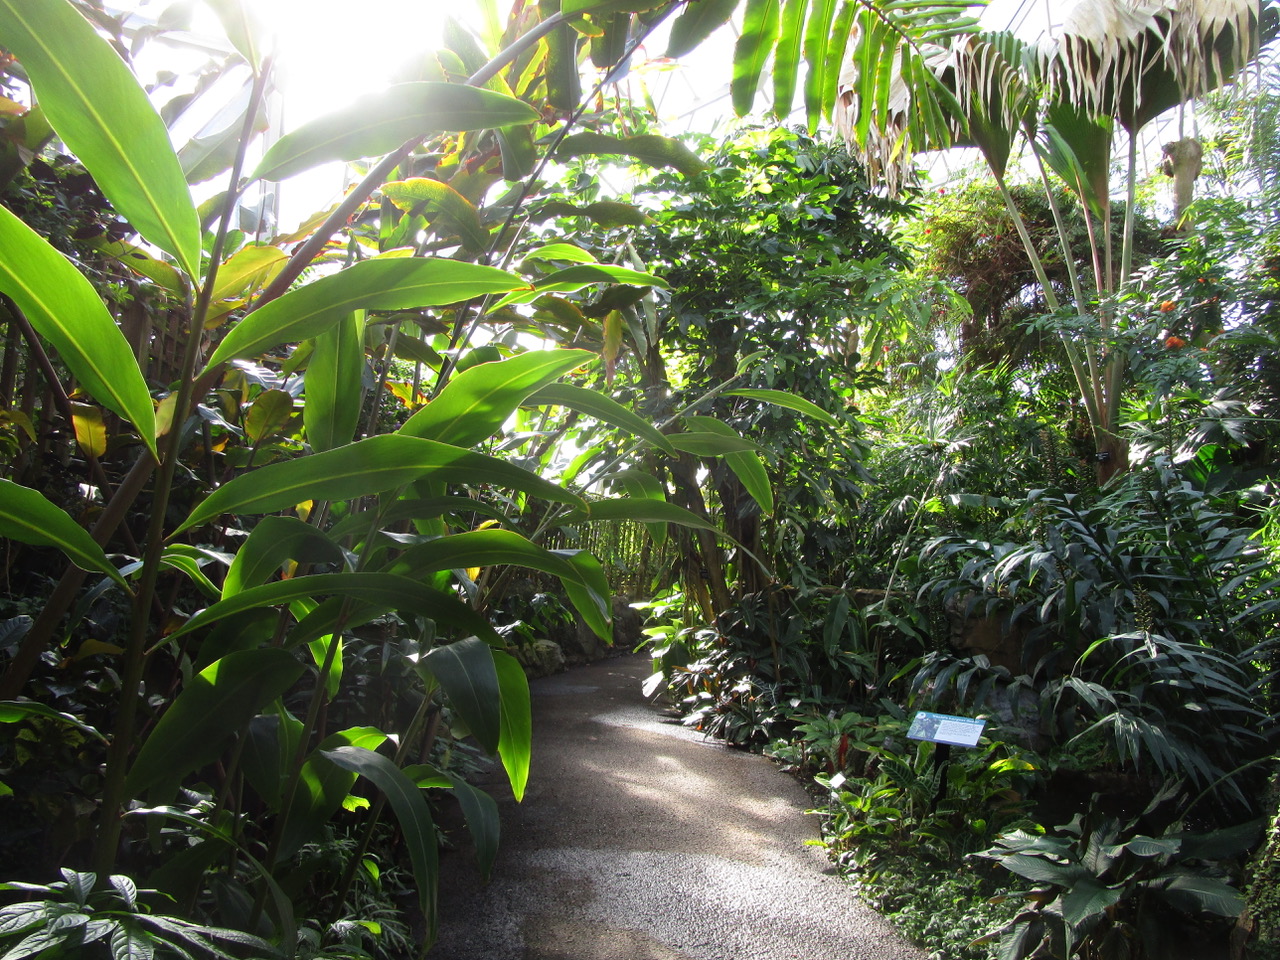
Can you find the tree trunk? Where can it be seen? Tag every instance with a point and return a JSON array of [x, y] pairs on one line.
[[1182, 161]]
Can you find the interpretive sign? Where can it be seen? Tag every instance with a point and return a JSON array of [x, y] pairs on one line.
[[944, 728]]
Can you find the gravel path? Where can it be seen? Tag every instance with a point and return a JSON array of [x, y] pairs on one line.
[[640, 840]]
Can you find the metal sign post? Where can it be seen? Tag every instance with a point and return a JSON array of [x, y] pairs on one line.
[[947, 732]]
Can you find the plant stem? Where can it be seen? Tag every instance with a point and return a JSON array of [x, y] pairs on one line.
[[113, 795]]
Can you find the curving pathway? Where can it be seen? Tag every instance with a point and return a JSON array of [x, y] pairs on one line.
[[640, 840]]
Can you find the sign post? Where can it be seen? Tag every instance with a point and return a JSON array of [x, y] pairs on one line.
[[947, 732]]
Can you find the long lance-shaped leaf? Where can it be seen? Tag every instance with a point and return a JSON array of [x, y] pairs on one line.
[[602, 408], [481, 813], [482, 548], [786, 56], [704, 443], [65, 310], [383, 121], [382, 284], [823, 55], [104, 116], [575, 278], [759, 34], [697, 22], [331, 407], [465, 670], [13, 711], [780, 398], [477, 402], [515, 745], [639, 484], [647, 148], [413, 814], [379, 590], [746, 464], [273, 541], [564, 81], [364, 468], [242, 29], [645, 511], [26, 516], [216, 703], [581, 574], [590, 594], [322, 787], [357, 524]]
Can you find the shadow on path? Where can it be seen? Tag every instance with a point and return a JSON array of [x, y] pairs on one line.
[[640, 840]]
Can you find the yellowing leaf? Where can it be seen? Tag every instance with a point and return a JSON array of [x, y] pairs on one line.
[[438, 202], [91, 432]]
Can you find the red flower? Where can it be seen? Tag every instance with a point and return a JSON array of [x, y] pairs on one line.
[[1168, 306], [1172, 343]]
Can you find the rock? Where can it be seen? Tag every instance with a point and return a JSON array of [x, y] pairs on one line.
[[542, 658], [581, 645]]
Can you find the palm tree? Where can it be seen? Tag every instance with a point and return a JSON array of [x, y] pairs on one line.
[[1115, 66]]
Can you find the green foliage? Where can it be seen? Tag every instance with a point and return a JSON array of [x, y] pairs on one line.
[[1104, 889], [76, 917], [901, 798]]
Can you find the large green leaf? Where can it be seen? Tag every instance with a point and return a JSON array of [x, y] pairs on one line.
[[241, 27], [1086, 898], [516, 741], [331, 406], [270, 746], [380, 284], [322, 786], [1192, 893], [746, 464], [697, 22], [381, 122], [826, 37], [786, 55], [704, 443], [1042, 870], [26, 516], [483, 548], [1077, 147], [13, 711], [477, 402], [644, 511], [413, 814], [482, 820], [357, 524], [601, 407], [564, 82], [65, 310], [466, 672], [638, 483], [216, 703], [583, 275], [104, 117], [607, 213], [273, 541], [647, 148], [759, 35], [589, 593], [364, 468], [780, 398], [380, 590]]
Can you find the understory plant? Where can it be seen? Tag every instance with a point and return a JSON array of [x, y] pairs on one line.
[[1103, 888]]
